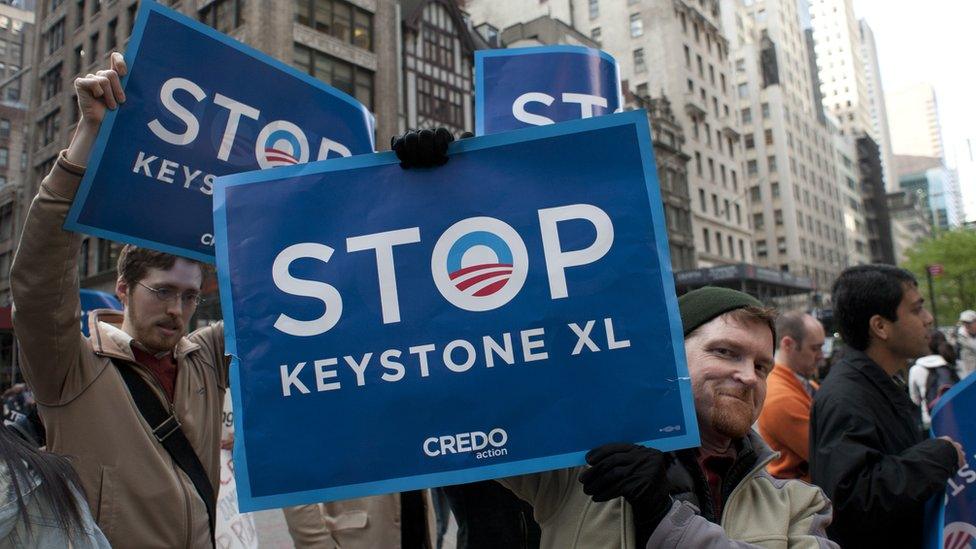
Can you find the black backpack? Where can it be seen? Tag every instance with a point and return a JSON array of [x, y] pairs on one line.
[[940, 380]]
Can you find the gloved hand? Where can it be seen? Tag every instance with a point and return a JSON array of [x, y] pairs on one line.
[[635, 473], [423, 148]]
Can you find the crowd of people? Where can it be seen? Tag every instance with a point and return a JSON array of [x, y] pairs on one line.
[[132, 416]]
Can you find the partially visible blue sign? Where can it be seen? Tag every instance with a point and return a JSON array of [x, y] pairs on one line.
[[199, 105], [400, 329], [92, 300], [523, 87], [951, 521]]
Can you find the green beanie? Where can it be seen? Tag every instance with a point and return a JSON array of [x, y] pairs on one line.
[[702, 305]]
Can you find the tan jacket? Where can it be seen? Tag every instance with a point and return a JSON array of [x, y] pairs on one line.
[[761, 511], [137, 494], [362, 523]]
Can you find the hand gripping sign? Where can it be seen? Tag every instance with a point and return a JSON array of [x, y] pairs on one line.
[[951, 517], [199, 105], [524, 87], [398, 329]]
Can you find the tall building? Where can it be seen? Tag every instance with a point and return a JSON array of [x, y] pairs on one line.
[[876, 101], [910, 222], [673, 49], [672, 171], [17, 33], [408, 61], [843, 76], [668, 136], [875, 200], [914, 119], [855, 225], [796, 208], [936, 188]]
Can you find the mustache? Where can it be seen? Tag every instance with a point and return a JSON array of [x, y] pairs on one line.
[[741, 394]]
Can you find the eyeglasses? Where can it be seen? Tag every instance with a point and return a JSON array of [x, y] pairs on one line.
[[168, 295]]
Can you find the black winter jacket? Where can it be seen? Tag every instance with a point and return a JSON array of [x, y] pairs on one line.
[[869, 454]]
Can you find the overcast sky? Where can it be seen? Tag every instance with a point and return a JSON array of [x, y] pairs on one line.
[[934, 42]]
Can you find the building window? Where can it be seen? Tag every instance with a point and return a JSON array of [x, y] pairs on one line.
[[639, 65], [4, 157], [133, 10], [687, 57], [79, 13], [112, 38], [596, 35], [440, 102], [774, 187], [778, 217], [771, 163], [438, 45], [50, 126], [223, 15], [758, 222], [6, 221], [752, 167], [51, 82], [768, 135], [107, 255], [4, 127], [636, 25], [94, 47], [354, 80], [765, 110], [96, 6], [746, 116], [54, 37], [708, 242], [594, 9], [750, 141]]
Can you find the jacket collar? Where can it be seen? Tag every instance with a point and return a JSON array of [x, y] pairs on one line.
[[861, 364], [860, 367], [109, 340]]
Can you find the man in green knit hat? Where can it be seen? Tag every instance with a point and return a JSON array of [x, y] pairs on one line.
[[716, 495]]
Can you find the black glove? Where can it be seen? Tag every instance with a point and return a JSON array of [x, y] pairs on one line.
[[635, 473], [422, 149]]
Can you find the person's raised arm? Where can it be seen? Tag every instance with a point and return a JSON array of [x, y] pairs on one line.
[[44, 275]]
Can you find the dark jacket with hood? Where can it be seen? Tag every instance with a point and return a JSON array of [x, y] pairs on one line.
[[869, 454]]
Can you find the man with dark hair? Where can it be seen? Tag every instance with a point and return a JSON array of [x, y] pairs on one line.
[[717, 495], [867, 447], [785, 420]]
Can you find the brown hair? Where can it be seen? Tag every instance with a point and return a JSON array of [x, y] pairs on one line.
[[762, 315], [135, 262]]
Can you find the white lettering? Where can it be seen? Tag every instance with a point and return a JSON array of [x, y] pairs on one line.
[[528, 345], [288, 379], [306, 288], [383, 244], [556, 259], [235, 109], [166, 97]]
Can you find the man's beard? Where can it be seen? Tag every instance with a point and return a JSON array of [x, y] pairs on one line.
[[732, 417]]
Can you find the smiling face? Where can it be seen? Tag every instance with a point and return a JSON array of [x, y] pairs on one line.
[[156, 324], [728, 360]]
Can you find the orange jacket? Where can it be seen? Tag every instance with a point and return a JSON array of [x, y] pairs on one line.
[[785, 424]]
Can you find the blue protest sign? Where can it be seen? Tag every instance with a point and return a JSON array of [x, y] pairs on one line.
[[397, 329], [91, 300], [522, 87], [199, 105], [951, 518]]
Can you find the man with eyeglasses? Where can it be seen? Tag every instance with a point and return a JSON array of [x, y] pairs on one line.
[[139, 493]]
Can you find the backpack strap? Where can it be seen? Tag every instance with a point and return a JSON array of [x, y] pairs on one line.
[[166, 429]]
